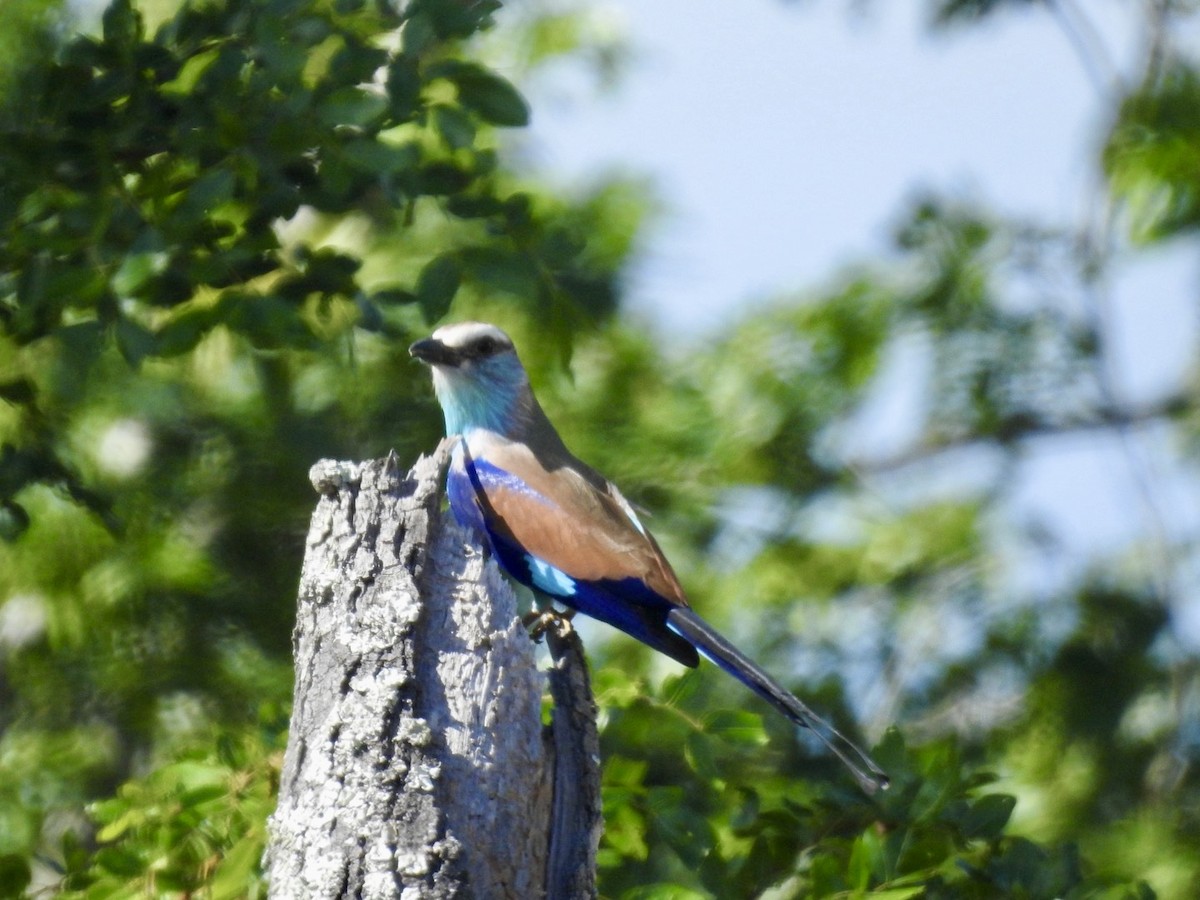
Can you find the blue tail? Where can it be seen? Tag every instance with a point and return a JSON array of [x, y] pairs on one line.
[[689, 626]]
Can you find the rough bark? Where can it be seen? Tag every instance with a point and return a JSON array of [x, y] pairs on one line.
[[577, 816], [416, 764]]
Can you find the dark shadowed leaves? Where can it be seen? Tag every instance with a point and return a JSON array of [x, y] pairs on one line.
[[486, 93], [13, 518], [437, 285], [17, 391]]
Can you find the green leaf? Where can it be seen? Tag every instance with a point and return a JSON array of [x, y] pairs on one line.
[[486, 93], [370, 317], [664, 891], [502, 270], [204, 795], [404, 87], [699, 753], [120, 861], [135, 271], [79, 286], [437, 284], [380, 157], [330, 272], [122, 24], [866, 860], [118, 824], [494, 99], [14, 520], [747, 811], [624, 772], [37, 311], [19, 391], [1153, 155], [190, 72], [207, 192], [900, 893], [439, 178], [269, 322], [988, 816], [183, 332], [134, 341], [416, 35], [14, 875], [355, 63], [625, 830], [736, 727], [237, 868], [393, 297], [354, 106], [453, 125]]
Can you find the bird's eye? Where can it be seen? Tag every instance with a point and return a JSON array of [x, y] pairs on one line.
[[485, 346]]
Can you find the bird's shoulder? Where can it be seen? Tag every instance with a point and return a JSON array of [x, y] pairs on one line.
[[552, 473]]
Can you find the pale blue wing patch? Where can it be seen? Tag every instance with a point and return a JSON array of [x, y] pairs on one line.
[[461, 492], [548, 578]]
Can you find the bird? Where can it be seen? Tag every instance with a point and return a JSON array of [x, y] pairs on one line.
[[562, 529]]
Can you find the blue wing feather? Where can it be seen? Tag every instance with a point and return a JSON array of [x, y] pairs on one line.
[[462, 493]]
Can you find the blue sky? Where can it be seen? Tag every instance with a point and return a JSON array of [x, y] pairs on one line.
[[784, 138]]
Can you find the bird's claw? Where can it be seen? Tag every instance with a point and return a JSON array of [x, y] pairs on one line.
[[539, 621]]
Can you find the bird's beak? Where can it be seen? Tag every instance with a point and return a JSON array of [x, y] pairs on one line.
[[434, 352]]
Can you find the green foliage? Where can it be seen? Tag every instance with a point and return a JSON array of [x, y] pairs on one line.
[[216, 242], [26, 32], [142, 195], [198, 823], [1154, 153], [750, 817]]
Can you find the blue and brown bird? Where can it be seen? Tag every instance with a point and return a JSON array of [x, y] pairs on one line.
[[562, 529]]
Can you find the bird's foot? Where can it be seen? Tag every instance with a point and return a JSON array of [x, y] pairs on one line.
[[538, 621]]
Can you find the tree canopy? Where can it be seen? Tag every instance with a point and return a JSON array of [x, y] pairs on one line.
[[219, 233]]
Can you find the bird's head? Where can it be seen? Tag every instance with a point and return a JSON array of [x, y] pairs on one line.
[[479, 380]]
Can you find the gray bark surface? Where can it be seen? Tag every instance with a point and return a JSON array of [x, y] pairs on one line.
[[416, 764], [577, 816]]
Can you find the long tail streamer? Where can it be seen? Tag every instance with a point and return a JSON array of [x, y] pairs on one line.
[[689, 626]]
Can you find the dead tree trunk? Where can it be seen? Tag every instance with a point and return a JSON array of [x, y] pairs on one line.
[[416, 764]]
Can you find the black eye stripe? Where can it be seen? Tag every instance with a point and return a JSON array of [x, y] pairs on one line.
[[485, 346]]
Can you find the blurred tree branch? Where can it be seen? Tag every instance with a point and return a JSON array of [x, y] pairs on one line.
[[1012, 432]]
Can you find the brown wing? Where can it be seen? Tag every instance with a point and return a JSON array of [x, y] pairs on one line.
[[572, 519]]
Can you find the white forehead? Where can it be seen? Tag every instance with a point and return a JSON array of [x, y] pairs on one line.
[[460, 334]]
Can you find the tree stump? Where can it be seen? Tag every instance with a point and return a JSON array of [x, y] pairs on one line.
[[417, 765]]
